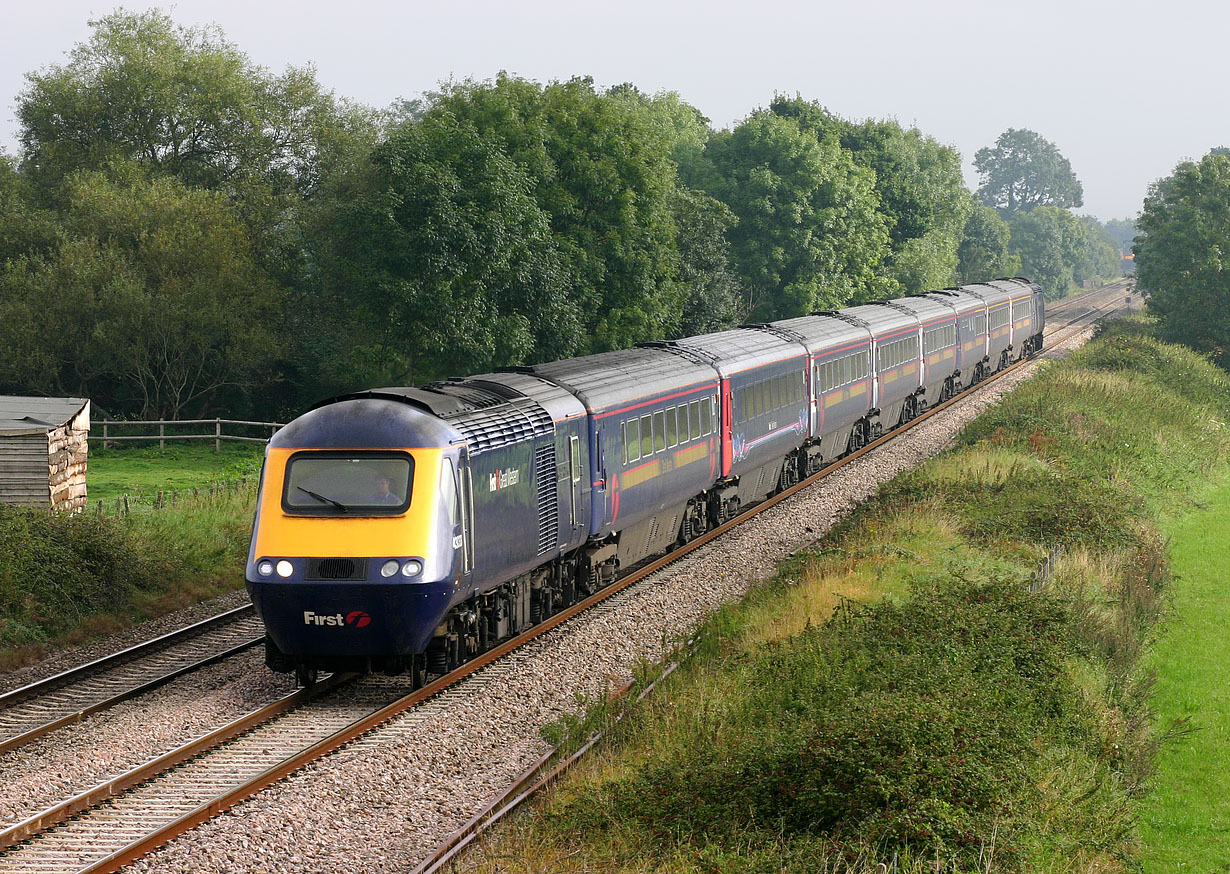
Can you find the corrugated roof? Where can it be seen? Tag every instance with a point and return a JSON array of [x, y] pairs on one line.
[[23, 415]]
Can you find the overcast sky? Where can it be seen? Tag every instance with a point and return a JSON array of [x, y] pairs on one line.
[[1125, 89]]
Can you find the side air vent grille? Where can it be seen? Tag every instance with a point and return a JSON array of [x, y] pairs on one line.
[[548, 507], [321, 569]]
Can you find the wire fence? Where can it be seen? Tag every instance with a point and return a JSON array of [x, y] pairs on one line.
[[121, 430]]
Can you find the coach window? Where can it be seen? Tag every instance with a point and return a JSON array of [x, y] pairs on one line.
[[659, 431], [706, 413], [646, 436], [672, 435], [632, 440]]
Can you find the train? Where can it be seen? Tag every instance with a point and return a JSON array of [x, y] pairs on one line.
[[407, 529]]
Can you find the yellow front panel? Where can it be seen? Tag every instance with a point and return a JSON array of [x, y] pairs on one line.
[[279, 533]]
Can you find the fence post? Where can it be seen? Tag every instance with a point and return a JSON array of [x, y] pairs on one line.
[[217, 435], [162, 432], [105, 434]]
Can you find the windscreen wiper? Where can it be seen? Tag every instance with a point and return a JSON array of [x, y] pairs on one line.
[[320, 497]]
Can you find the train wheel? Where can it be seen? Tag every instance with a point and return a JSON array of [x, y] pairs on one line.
[[305, 676]]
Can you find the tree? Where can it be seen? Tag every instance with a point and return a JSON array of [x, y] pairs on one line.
[[1050, 242], [983, 253], [601, 168], [186, 103], [1122, 231], [1022, 171], [808, 234], [1182, 254], [1100, 255], [921, 191], [178, 101], [152, 301], [25, 228], [713, 298], [446, 260]]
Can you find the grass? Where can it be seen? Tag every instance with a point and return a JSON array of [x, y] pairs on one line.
[[1186, 821], [142, 472], [897, 699]]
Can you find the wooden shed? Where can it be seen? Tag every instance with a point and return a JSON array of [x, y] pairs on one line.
[[43, 448]]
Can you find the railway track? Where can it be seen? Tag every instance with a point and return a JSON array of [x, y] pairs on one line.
[[36, 709], [125, 818]]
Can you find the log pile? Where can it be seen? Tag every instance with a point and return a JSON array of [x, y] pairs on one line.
[[67, 448]]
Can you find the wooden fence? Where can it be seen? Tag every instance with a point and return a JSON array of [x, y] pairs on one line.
[[217, 435]]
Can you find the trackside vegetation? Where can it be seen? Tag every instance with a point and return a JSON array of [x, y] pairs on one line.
[[65, 579], [953, 680]]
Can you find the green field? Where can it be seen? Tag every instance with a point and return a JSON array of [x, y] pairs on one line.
[[1186, 821], [141, 472]]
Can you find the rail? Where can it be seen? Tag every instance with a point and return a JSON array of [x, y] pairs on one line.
[[218, 435]]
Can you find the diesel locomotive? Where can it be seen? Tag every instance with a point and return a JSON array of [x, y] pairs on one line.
[[407, 529]]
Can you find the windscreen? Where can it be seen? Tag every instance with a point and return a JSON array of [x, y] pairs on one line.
[[320, 483]]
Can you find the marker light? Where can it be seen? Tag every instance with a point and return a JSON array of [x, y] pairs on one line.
[[285, 568], [389, 568], [265, 568], [412, 568]]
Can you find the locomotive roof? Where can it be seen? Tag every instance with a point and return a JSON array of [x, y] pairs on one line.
[[370, 420], [610, 380], [739, 349], [819, 332]]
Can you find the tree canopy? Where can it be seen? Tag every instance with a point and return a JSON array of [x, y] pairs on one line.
[[1182, 254], [151, 298], [921, 191], [984, 252], [1022, 171], [808, 234]]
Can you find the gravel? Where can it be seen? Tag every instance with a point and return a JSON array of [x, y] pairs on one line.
[[78, 757], [385, 801]]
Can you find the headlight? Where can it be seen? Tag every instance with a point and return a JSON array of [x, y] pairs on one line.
[[265, 568], [285, 568], [412, 568], [389, 568]]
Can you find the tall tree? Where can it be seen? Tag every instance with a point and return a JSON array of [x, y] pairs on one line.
[[1182, 254], [921, 190], [808, 235], [983, 253], [445, 261], [187, 103], [601, 167], [1050, 242], [152, 301], [1122, 231], [1023, 170], [184, 102]]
